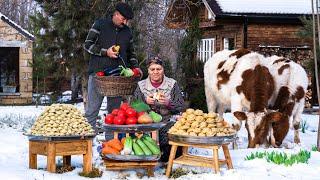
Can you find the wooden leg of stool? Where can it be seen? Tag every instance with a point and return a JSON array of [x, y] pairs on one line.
[[51, 157], [227, 156], [150, 171], [185, 150], [32, 157], [216, 159], [66, 161], [171, 157], [87, 158]]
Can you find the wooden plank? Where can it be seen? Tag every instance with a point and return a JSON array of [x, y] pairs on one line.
[[36, 147], [196, 161], [87, 157], [124, 164], [71, 147], [51, 157], [207, 146]]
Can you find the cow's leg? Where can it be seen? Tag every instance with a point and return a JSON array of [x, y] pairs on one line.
[[211, 100], [236, 106], [296, 120]]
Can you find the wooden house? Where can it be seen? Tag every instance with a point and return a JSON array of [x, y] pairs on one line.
[[15, 63], [232, 24], [267, 26]]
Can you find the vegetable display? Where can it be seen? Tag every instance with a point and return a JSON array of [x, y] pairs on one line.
[[196, 123], [61, 120], [143, 146], [136, 113]]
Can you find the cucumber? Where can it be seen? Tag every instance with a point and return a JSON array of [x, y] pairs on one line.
[[148, 138], [144, 148], [153, 148], [137, 149]]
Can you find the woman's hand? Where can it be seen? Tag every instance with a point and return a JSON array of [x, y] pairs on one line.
[[150, 99], [163, 100]]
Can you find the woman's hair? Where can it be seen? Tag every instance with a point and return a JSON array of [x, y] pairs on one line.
[[155, 60]]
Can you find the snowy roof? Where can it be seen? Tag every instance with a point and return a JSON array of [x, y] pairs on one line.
[[261, 6], [17, 27]]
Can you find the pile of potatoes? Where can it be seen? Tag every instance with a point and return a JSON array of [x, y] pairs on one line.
[[196, 123], [61, 120]]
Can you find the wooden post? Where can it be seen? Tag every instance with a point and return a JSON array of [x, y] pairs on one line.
[[87, 158], [51, 157], [32, 157], [171, 158], [227, 156], [216, 166], [185, 150]]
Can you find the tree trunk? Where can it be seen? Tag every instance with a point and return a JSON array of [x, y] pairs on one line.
[[75, 84]]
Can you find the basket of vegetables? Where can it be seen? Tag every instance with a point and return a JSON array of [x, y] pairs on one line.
[[120, 81]]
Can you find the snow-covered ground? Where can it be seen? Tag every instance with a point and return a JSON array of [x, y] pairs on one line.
[[14, 154]]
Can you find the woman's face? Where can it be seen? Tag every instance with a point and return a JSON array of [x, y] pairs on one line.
[[156, 72]]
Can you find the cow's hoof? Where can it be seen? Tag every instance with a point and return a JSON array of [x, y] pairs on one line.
[[297, 140]]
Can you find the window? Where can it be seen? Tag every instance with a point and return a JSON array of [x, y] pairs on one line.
[[228, 43], [210, 16], [205, 49]]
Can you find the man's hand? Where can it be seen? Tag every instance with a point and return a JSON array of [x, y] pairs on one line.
[[150, 100], [111, 53]]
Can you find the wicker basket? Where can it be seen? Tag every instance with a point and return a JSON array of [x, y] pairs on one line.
[[116, 85]]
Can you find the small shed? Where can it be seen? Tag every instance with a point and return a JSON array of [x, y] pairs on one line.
[[15, 63]]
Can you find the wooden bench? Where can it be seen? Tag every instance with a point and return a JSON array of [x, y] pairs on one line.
[[192, 160]]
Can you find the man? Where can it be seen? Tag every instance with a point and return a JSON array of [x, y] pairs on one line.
[[105, 34]]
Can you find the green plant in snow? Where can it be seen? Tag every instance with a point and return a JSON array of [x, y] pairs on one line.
[[282, 158], [314, 148], [303, 126]]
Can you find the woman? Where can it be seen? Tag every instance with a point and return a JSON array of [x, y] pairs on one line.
[[163, 95]]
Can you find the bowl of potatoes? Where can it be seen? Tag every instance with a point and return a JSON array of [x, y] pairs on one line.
[[197, 127]]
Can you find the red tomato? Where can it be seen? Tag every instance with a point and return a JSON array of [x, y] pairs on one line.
[[136, 72], [100, 73], [141, 113], [124, 106], [121, 113], [118, 120], [115, 112], [131, 112], [131, 120], [109, 119]]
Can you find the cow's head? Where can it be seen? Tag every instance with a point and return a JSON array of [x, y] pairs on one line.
[[258, 125]]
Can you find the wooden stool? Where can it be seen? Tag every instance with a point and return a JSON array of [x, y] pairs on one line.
[[192, 160], [51, 149], [121, 165]]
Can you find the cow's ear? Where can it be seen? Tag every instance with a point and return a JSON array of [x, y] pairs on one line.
[[241, 116], [275, 116]]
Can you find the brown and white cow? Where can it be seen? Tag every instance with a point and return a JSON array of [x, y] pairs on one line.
[[249, 83]]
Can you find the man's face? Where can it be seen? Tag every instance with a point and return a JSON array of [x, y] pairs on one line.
[[119, 20]]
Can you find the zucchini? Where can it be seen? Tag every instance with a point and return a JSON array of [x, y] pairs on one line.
[[137, 149], [144, 148], [148, 138], [153, 148]]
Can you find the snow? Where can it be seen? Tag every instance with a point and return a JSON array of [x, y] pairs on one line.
[[14, 154], [266, 6]]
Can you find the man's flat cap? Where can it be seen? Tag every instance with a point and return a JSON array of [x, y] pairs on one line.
[[125, 10]]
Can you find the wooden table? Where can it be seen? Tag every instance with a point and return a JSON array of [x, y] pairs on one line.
[[192, 160], [51, 149], [121, 165]]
